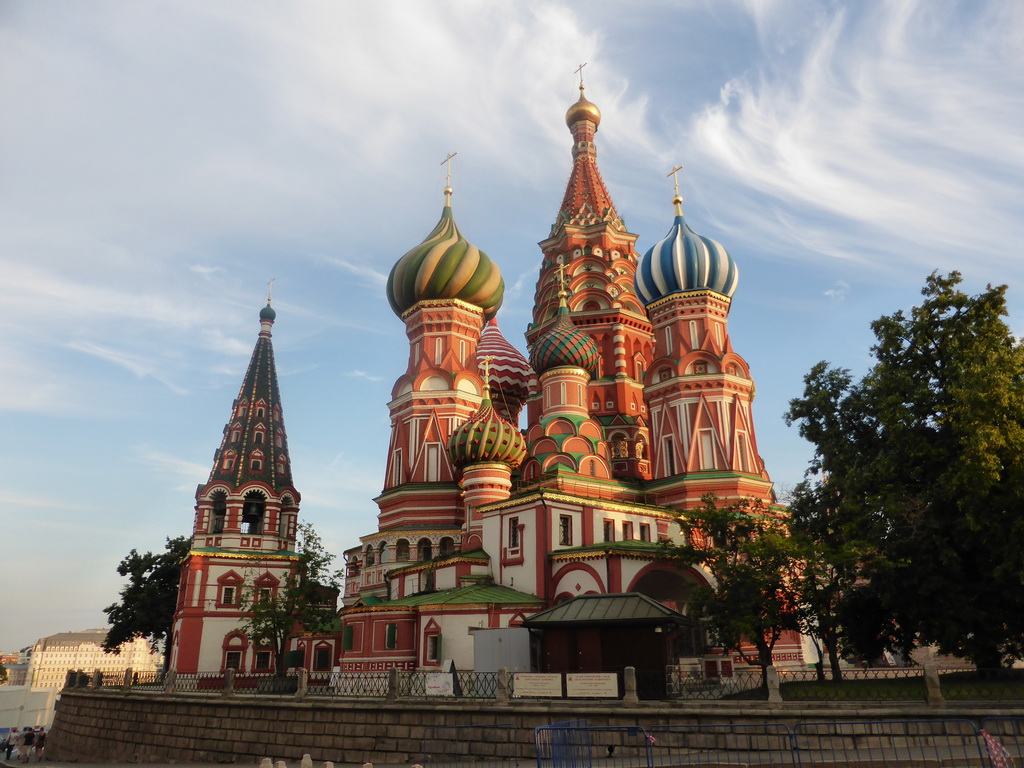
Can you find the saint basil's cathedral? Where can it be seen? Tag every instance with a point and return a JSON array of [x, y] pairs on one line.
[[636, 406]]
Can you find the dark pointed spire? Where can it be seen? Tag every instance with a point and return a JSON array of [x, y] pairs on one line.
[[255, 446]]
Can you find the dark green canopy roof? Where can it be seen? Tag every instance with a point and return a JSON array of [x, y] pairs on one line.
[[595, 610]]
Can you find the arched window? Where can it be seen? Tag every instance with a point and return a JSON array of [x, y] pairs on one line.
[[402, 550], [229, 460], [424, 549], [381, 549], [369, 554], [219, 511], [253, 511], [447, 546]]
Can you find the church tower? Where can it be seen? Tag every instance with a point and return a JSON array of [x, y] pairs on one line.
[[590, 240], [243, 536], [444, 290], [699, 391]]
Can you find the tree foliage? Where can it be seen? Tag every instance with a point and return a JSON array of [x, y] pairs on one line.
[[304, 602], [752, 560], [146, 608], [926, 457]]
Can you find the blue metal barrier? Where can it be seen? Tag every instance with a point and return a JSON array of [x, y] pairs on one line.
[[889, 744], [566, 745]]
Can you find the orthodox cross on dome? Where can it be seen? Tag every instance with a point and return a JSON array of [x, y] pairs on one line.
[[448, 178], [270, 288], [579, 71], [677, 201], [487, 376]]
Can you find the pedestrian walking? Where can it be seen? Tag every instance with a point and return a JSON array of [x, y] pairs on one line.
[[25, 742], [40, 743], [11, 742]]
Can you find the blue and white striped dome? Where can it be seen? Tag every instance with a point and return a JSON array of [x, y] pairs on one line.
[[685, 261]]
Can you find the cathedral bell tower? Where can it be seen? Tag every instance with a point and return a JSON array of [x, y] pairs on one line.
[[590, 240], [699, 391], [243, 534]]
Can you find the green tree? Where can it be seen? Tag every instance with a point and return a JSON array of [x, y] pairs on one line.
[[304, 602], [3, 675], [146, 608], [832, 559], [927, 456], [753, 561]]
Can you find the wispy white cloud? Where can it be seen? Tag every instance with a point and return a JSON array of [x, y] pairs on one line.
[[851, 128], [362, 375], [188, 472], [838, 291], [139, 365], [360, 270]]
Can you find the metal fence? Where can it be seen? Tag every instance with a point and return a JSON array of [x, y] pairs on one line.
[[465, 685], [997, 743], [983, 684], [564, 745], [354, 684], [886, 684], [447, 746], [697, 686]]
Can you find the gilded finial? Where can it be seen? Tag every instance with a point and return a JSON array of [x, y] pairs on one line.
[[487, 377], [677, 201], [448, 178], [270, 288], [563, 292]]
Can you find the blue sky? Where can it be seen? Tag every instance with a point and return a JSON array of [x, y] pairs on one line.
[[161, 161]]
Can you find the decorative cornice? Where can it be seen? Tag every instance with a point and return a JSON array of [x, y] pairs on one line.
[[242, 555], [688, 294]]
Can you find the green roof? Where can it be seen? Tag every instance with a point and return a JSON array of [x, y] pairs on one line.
[[488, 594], [629, 545], [592, 610]]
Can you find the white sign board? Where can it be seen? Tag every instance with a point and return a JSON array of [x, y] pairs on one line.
[[534, 684], [440, 684], [592, 685]]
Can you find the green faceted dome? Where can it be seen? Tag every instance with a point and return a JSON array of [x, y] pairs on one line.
[[446, 266], [564, 345], [487, 437], [268, 313]]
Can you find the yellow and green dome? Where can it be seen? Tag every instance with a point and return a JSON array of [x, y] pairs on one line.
[[487, 437], [446, 266]]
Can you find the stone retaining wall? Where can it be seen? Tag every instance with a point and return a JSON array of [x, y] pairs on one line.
[[115, 726]]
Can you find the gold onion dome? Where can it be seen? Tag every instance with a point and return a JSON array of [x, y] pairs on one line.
[[446, 266], [487, 437], [583, 110]]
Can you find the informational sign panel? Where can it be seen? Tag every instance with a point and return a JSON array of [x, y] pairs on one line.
[[536, 684], [592, 685], [440, 684]]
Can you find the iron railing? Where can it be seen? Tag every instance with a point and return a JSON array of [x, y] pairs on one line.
[[691, 686], [351, 684], [884, 684]]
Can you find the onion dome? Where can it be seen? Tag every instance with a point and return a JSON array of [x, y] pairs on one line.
[[685, 261], [487, 437], [583, 110], [509, 376], [564, 345], [268, 313], [446, 266]]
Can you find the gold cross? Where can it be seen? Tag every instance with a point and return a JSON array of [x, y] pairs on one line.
[[579, 71], [270, 288], [674, 173], [561, 277]]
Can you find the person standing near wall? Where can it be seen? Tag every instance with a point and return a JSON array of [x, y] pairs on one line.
[[11, 742]]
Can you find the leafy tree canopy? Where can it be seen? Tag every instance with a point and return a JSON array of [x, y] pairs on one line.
[[751, 559], [146, 607], [304, 602], [926, 457]]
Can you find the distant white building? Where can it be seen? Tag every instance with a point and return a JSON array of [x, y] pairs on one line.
[[51, 657]]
